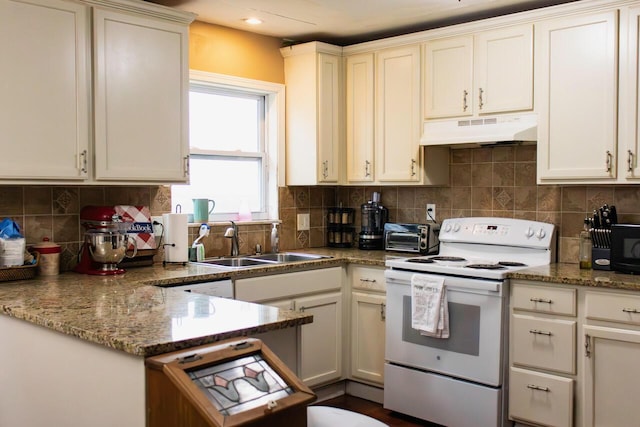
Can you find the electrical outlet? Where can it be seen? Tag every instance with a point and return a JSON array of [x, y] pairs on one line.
[[431, 212], [303, 221], [157, 229]]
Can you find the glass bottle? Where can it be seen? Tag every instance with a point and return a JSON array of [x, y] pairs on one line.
[[585, 246]]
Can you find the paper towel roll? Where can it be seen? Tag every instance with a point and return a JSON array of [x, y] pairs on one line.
[[176, 233]]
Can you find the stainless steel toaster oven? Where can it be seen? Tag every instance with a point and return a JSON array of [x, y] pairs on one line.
[[415, 238]]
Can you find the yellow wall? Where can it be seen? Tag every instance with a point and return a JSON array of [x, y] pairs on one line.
[[233, 52]]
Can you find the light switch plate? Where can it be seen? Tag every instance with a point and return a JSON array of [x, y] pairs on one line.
[[303, 221]]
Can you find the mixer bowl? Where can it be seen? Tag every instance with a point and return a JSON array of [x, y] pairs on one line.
[[107, 247]]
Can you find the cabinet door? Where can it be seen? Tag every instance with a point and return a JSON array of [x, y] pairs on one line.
[[398, 122], [448, 74], [368, 336], [141, 97], [611, 377], [360, 142], [321, 354], [329, 117], [576, 97], [629, 93], [503, 70], [44, 94]]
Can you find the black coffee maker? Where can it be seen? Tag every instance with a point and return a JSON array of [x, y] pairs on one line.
[[374, 216]]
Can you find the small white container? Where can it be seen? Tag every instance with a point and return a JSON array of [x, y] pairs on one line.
[[49, 264], [12, 252]]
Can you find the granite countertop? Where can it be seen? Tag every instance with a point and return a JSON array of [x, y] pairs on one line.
[[571, 274], [139, 313]]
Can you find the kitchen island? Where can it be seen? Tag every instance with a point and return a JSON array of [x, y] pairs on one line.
[[73, 346]]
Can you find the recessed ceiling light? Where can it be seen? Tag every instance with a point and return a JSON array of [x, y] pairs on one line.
[[253, 21]]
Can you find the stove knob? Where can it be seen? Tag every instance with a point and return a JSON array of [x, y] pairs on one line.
[[456, 227], [447, 227], [529, 232], [541, 234]]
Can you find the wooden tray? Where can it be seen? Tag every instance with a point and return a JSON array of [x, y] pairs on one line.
[[23, 272]]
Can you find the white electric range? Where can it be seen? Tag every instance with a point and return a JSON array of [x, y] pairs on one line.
[[460, 381]]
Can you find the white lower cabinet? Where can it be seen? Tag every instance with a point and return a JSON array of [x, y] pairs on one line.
[[368, 312], [612, 352], [542, 354], [318, 292]]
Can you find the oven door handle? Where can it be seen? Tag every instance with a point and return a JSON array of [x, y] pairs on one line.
[[477, 285]]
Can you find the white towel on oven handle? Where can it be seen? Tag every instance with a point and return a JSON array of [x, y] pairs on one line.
[[429, 306]]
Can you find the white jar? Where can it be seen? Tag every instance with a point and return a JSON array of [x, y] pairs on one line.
[[49, 264]]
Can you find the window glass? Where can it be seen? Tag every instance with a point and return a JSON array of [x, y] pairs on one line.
[[228, 155]]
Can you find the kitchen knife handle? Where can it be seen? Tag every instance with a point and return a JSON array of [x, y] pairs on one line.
[[608, 162]]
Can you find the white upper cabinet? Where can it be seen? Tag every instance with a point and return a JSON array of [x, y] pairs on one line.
[[576, 97], [486, 73], [141, 98], [139, 84], [313, 78], [360, 113], [448, 77], [397, 116], [503, 70], [45, 89], [629, 93]]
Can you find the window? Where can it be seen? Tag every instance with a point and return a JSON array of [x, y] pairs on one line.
[[235, 130]]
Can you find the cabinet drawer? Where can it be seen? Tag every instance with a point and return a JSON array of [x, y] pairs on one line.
[[544, 299], [613, 307], [544, 343], [540, 398], [368, 278], [277, 286]]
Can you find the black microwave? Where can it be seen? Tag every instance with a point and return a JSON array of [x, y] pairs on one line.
[[625, 248]]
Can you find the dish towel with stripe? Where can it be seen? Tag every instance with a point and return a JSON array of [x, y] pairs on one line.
[[429, 306]]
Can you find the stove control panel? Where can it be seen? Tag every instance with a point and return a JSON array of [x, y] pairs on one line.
[[498, 231]]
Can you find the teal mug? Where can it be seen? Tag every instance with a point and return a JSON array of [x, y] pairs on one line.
[[202, 208]]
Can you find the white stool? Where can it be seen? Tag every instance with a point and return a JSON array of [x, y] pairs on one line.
[[326, 416]]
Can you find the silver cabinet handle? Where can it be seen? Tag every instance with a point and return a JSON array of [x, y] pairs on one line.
[[325, 169], [83, 162], [480, 93], [383, 311], [413, 167], [544, 300], [537, 387], [301, 310], [608, 163], [367, 164], [464, 100], [630, 310], [368, 280], [629, 161], [186, 165], [538, 332]]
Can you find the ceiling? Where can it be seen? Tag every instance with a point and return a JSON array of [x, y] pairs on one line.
[[345, 22]]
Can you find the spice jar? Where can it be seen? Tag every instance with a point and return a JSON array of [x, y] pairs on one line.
[[49, 263]]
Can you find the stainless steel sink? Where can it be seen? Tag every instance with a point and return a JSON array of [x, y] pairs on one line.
[[287, 257], [235, 262], [260, 260]]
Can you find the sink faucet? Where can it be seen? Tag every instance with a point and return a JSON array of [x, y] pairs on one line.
[[232, 233]]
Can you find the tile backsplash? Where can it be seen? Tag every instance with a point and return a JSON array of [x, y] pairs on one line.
[[490, 181]]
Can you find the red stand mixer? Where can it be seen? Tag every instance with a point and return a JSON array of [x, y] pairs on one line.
[[105, 242]]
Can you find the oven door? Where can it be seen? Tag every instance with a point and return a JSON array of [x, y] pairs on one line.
[[473, 350]]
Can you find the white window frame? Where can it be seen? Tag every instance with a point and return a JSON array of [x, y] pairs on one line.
[[274, 132]]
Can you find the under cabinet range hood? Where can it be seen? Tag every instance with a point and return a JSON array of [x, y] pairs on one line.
[[474, 132]]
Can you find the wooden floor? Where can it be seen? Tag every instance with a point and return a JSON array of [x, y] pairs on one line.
[[375, 410]]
